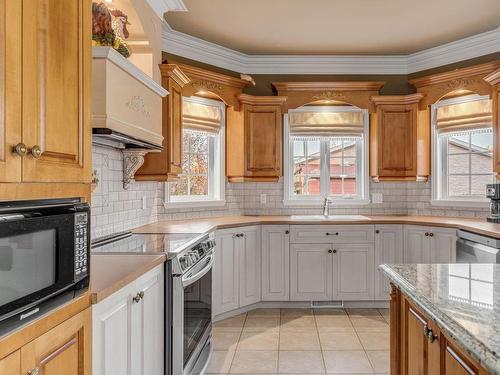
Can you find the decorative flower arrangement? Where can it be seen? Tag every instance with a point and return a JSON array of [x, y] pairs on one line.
[[109, 28]]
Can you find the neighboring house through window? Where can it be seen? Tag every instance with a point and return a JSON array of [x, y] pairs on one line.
[[325, 154], [201, 182], [463, 148]]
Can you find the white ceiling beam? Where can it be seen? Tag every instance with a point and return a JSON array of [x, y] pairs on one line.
[[194, 48]]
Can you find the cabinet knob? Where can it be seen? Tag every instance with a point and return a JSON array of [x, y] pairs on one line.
[[330, 251], [138, 297], [427, 234], [20, 149], [36, 151], [332, 234], [287, 232], [431, 234], [430, 334], [377, 231], [334, 251], [35, 371]]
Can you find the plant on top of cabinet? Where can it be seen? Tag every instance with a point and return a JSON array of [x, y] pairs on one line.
[[399, 139], [254, 139], [167, 164]]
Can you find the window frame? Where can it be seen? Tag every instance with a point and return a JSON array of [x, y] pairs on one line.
[[290, 199], [438, 168], [216, 184]]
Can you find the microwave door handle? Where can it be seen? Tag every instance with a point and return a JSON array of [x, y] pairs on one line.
[[191, 279]]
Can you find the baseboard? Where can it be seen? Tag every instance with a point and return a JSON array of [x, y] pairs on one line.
[[298, 305]]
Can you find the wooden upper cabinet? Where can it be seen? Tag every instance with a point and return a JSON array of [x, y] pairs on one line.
[[64, 350], [494, 80], [399, 139], [10, 90], [167, 164], [56, 71], [254, 138]]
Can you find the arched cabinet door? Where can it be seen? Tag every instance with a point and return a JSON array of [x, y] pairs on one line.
[[56, 67]]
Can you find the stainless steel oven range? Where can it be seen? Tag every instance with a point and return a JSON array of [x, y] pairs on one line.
[[192, 308]]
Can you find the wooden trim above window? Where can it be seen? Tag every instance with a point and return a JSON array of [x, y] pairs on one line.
[[353, 93], [436, 86]]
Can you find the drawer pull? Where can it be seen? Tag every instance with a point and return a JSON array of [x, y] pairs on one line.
[[332, 234], [138, 297]]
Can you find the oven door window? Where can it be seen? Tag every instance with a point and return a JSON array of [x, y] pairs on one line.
[[36, 260], [197, 313]]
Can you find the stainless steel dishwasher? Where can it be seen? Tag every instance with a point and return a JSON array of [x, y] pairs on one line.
[[475, 248]]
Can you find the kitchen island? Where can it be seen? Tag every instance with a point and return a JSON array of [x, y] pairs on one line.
[[445, 318]]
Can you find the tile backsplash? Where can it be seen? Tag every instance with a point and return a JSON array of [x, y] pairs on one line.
[[115, 209]]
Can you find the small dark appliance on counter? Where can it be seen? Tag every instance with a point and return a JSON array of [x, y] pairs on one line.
[[44, 257], [493, 192]]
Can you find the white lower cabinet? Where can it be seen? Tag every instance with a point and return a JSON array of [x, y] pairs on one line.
[[237, 269], [275, 262], [128, 328], [311, 270], [388, 249], [353, 272], [429, 244]]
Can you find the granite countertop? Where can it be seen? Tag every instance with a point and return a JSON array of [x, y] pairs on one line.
[[463, 300], [201, 225]]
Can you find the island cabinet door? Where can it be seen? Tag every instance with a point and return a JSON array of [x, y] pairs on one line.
[[455, 363], [311, 272], [64, 350], [250, 265], [275, 262], [11, 365], [225, 271], [353, 276]]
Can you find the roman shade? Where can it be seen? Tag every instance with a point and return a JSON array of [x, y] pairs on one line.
[[473, 115], [326, 124], [201, 117]]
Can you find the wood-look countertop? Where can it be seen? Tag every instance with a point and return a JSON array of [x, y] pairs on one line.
[[109, 273], [479, 226]]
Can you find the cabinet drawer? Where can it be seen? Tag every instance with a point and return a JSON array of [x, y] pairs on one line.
[[332, 233]]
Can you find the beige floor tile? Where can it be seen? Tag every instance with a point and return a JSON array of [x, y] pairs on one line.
[[261, 323], [291, 339], [220, 363], [374, 340], [370, 324], [334, 312], [255, 362], [259, 340], [363, 312], [234, 322], [302, 322], [347, 362], [379, 360], [339, 341], [334, 323], [294, 312], [224, 340], [264, 312], [305, 361]]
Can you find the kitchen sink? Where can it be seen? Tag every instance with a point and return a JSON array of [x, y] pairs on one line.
[[329, 217]]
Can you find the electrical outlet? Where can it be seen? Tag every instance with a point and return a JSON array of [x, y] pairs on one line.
[[377, 198], [263, 198], [143, 202]]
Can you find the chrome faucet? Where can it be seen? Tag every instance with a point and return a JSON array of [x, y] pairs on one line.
[[326, 202]]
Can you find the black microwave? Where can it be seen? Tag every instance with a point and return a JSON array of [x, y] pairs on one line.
[[44, 252]]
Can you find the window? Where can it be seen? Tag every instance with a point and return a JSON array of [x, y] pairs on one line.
[[201, 182], [326, 149], [463, 148]]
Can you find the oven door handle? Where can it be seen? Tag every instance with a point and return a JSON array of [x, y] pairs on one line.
[[186, 281]]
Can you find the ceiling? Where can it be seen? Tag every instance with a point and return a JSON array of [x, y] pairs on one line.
[[371, 27]]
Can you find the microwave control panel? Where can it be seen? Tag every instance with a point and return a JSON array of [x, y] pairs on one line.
[[81, 244]]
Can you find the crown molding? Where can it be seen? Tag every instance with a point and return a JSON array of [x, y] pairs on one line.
[[197, 49], [493, 78], [262, 100], [198, 73], [160, 7], [397, 99], [174, 72]]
